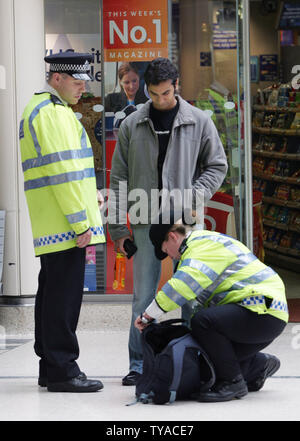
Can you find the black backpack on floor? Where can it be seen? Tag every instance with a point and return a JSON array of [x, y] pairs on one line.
[[174, 365]]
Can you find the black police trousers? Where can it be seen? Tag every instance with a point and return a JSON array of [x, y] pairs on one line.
[[57, 309], [232, 337]]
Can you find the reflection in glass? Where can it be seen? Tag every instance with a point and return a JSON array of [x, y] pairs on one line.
[[131, 94]]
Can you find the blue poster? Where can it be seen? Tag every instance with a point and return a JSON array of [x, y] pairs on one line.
[[268, 67], [290, 16]]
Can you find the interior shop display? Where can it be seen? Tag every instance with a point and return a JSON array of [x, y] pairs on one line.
[[87, 111], [276, 171], [221, 106], [223, 210]]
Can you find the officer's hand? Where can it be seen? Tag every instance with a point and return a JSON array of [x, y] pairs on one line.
[[139, 324], [84, 239]]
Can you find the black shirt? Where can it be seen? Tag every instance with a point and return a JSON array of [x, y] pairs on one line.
[[162, 122]]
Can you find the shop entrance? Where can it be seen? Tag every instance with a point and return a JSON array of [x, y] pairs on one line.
[[255, 110]]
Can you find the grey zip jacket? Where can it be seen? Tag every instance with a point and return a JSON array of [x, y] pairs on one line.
[[195, 161]]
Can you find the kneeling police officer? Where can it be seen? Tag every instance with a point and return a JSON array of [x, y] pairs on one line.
[[239, 303]]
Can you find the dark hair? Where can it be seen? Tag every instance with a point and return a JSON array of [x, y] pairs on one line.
[[125, 68], [160, 69], [49, 75]]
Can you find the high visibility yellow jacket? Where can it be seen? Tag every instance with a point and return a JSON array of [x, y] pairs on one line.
[[59, 177], [216, 269]]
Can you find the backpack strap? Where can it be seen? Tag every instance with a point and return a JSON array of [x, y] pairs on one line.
[[182, 343], [212, 380], [178, 356]]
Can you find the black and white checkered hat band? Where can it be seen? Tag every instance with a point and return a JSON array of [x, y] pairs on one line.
[[76, 68]]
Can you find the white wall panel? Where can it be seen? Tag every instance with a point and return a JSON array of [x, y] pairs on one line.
[[8, 146], [22, 74], [30, 78]]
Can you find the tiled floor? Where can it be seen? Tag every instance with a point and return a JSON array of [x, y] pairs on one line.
[[8, 343], [104, 355]]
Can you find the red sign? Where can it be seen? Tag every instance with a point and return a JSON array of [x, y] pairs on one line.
[[135, 30]]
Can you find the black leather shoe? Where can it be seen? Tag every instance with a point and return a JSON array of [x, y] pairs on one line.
[[131, 379], [272, 364], [225, 391], [76, 384], [43, 381]]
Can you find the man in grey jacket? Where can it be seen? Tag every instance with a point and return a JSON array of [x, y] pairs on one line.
[[166, 148]]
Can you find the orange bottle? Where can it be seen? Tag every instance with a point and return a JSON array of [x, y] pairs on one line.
[[119, 273]]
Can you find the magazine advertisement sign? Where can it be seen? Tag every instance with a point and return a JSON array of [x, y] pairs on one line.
[[135, 30]]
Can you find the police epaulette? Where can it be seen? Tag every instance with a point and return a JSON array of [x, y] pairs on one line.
[[53, 98]]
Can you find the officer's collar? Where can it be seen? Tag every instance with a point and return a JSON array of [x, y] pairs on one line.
[[54, 92]]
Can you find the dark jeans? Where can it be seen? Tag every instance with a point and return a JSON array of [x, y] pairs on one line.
[[57, 308], [232, 337]]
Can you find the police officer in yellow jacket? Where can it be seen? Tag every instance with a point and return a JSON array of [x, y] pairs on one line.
[[239, 303], [60, 188]]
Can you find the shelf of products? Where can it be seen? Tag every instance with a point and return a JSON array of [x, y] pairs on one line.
[[276, 173]]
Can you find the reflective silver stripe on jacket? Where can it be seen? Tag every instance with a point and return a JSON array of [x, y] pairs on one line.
[[258, 277], [63, 178], [53, 239], [262, 275], [197, 264], [21, 129], [173, 295], [80, 216], [225, 240], [193, 284], [83, 139], [33, 114], [51, 158], [229, 271], [260, 300]]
